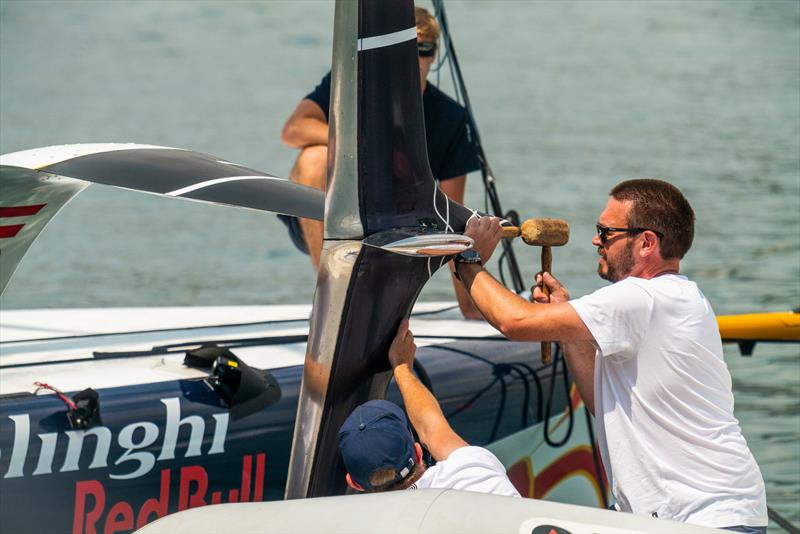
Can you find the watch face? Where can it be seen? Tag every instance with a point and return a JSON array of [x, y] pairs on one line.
[[470, 256]]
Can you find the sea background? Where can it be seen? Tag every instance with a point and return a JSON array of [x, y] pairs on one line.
[[570, 98]]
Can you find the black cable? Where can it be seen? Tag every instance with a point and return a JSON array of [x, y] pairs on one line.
[[549, 404], [500, 265], [472, 400], [465, 353], [539, 393], [490, 195], [527, 397], [170, 349], [782, 521], [596, 458], [498, 370], [500, 409], [228, 343]]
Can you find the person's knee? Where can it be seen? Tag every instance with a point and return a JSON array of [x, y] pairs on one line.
[[311, 167], [315, 156]]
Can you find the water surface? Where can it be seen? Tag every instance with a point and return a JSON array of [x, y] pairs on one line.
[[570, 97]]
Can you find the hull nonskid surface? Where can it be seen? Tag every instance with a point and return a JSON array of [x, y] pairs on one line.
[[431, 511]]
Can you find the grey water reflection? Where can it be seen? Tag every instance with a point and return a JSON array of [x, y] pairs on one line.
[[570, 97]]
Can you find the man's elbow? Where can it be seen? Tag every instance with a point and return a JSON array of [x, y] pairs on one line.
[[515, 329]]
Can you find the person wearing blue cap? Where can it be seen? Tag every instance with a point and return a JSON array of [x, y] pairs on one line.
[[379, 450]]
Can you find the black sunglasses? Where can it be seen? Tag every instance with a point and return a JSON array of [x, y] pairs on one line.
[[603, 231], [426, 48]]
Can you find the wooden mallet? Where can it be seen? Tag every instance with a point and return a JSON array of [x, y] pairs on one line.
[[543, 233]]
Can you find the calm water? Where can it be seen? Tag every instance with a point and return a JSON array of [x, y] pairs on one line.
[[570, 97]]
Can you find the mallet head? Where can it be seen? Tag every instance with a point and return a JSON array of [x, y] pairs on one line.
[[545, 232]]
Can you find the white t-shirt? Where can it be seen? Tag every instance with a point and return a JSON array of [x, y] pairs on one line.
[[469, 469], [664, 405]]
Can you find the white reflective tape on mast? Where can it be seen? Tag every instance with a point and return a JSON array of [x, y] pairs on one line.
[[388, 39]]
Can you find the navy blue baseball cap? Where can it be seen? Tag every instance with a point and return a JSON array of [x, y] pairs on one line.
[[377, 436]]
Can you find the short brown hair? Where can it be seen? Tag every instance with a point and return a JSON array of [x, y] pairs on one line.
[[382, 477], [660, 206], [427, 26]]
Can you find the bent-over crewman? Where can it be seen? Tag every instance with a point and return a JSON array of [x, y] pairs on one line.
[[379, 450]]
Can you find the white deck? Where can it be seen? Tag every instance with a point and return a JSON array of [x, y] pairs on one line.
[[34, 344]]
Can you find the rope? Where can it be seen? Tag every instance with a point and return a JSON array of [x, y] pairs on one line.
[[461, 96]]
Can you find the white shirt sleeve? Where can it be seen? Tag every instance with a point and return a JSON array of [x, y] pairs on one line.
[[617, 316], [469, 469]]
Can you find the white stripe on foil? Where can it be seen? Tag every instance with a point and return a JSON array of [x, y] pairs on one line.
[[36, 158], [389, 39], [201, 185]]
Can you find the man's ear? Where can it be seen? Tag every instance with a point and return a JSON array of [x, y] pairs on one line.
[[649, 244], [418, 453], [352, 483]]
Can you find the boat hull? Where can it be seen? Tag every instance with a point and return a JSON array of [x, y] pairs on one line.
[[167, 441]]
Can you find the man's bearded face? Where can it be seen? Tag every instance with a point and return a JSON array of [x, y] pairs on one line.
[[617, 265]]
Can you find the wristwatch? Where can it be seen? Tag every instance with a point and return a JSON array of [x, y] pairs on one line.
[[468, 256]]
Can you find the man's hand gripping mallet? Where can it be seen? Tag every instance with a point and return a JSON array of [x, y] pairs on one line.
[[543, 233]]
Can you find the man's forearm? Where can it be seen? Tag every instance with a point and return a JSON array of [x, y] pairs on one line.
[[515, 317], [422, 407], [468, 309], [501, 307]]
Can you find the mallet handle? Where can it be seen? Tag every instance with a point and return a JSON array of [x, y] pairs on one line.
[[538, 232], [510, 232], [547, 264]]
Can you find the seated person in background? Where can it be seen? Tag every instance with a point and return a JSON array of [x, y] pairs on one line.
[[451, 152], [378, 447]]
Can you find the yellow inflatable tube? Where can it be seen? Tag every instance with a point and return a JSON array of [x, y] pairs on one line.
[[772, 326]]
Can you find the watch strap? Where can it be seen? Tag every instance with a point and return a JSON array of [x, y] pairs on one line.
[[469, 257]]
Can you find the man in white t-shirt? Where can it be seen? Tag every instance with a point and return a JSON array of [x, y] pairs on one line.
[[379, 450], [646, 356]]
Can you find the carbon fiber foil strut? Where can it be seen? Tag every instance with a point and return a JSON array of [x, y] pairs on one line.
[[379, 179]]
